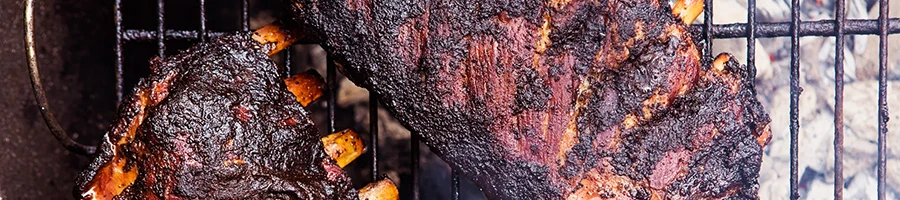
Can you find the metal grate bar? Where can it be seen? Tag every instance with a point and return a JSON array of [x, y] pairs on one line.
[[161, 20], [751, 40], [332, 93], [810, 28], [414, 156], [454, 184], [373, 131], [203, 21], [882, 94], [840, 17], [245, 18], [795, 94], [719, 31], [287, 61], [120, 80], [143, 35], [708, 27]]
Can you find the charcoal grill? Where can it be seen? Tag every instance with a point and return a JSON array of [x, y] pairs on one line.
[[840, 27]]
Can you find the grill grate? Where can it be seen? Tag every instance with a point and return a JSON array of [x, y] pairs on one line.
[[840, 27]]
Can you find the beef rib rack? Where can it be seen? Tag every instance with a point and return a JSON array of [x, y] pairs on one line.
[[557, 99]]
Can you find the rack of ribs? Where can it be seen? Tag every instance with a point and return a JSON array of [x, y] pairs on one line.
[[556, 99]]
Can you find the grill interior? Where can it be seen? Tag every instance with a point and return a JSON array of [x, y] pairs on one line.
[[155, 28]]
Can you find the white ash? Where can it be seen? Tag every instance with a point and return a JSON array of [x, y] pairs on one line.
[[816, 107]]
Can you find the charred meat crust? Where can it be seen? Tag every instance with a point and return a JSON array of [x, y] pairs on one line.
[[553, 99], [217, 123]]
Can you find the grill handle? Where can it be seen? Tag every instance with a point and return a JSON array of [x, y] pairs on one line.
[[39, 94]]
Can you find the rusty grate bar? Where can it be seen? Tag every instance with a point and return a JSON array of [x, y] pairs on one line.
[[287, 61], [373, 131], [203, 34], [120, 80], [414, 169], [751, 39], [708, 27], [882, 94], [161, 22], [144, 35], [840, 17], [245, 18], [719, 31], [454, 182], [332, 94], [807, 28], [795, 94]]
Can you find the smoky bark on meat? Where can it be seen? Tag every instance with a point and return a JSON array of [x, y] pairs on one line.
[[555, 99], [214, 122]]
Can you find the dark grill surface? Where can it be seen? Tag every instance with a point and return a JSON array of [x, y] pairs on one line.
[[840, 27]]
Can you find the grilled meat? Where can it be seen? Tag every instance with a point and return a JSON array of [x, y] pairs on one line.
[[555, 99], [215, 122]]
